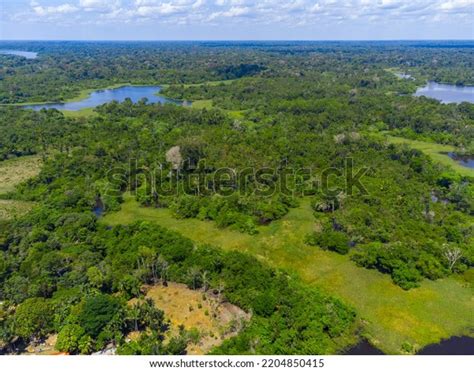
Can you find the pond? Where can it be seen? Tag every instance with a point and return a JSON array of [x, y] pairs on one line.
[[21, 53], [466, 161], [456, 345], [99, 97], [364, 348], [447, 93]]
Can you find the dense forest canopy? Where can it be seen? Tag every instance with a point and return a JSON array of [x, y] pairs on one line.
[[294, 109]]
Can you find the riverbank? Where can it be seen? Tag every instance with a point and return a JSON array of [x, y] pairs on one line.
[[83, 94], [438, 152]]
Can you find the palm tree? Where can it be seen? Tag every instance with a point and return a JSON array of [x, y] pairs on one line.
[[163, 264], [134, 314], [205, 280], [194, 274]]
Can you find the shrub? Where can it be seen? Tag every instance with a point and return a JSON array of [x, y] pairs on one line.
[[330, 240], [69, 338], [97, 311], [33, 318], [406, 277]]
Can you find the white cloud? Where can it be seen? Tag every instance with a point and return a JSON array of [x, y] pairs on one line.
[[163, 9], [456, 5], [286, 13], [236, 11], [198, 4], [99, 5], [52, 10]]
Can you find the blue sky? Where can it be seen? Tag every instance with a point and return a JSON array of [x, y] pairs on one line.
[[236, 19]]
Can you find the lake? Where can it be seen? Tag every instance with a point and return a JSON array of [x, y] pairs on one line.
[[466, 161], [364, 348], [456, 345], [447, 93], [99, 97], [21, 53]]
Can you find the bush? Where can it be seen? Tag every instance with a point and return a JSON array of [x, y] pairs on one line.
[[406, 277], [69, 338], [33, 318], [97, 311], [186, 206], [330, 240]]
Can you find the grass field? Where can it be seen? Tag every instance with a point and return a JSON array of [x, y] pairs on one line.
[[391, 316], [200, 104], [12, 173], [86, 112], [436, 151], [11, 209], [208, 83], [193, 309], [15, 171]]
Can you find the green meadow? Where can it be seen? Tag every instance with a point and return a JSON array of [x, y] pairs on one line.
[[12, 173], [438, 152], [391, 317], [86, 112], [17, 170]]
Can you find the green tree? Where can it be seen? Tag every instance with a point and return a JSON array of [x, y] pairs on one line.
[[96, 312], [33, 319], [69, 339]]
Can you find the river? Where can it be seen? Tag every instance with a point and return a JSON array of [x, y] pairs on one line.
[[466, 161], [21, 53], [99, 97], [447, 93]]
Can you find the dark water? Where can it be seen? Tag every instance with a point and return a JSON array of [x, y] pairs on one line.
[[96, 98], [364, 348], [98, 209], [456, 345], [27, 55], [447, 93], [466, 161]]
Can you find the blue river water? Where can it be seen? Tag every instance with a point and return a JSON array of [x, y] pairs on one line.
[[99, 97], [466, 161], [447, 93], [21, 53]]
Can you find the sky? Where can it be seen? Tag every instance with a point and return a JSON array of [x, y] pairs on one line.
[[236, 19]]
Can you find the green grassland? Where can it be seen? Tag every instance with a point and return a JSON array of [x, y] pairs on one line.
[[17, 170], [391, 316], [208, 104], [200, 104], [206, 83], [11, 209], [436, 151], [86, 112], [12, 173]]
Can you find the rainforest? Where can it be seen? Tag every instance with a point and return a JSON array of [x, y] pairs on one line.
[[265, 198]]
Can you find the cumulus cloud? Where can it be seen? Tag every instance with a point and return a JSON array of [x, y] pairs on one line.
[[52, 10], [292, 13], [458, 5]]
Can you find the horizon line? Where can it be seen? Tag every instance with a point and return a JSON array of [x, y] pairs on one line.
[[239, 40]]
